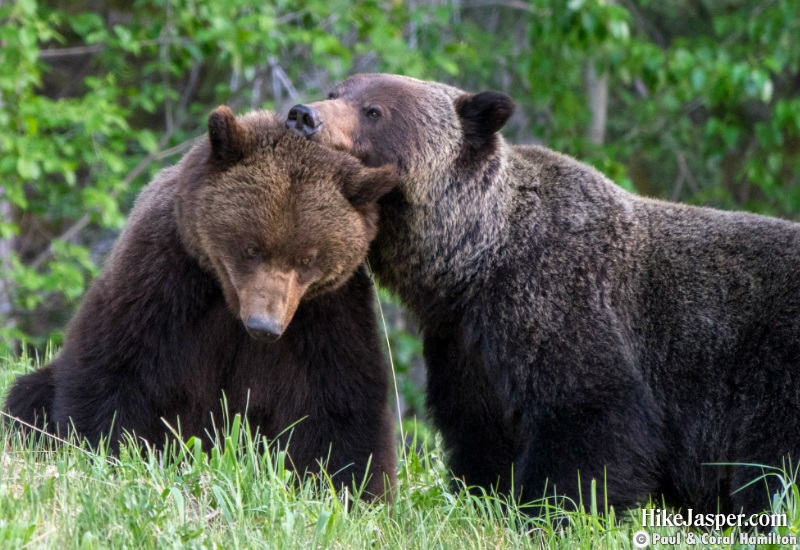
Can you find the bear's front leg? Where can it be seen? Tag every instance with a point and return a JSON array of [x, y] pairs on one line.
[[354, 449], [615, 440]]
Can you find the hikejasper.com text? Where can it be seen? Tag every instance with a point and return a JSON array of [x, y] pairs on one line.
[[656, 517]]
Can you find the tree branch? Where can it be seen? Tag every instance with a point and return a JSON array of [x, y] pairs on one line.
[[279, 74], [511, 4], [77, 50]]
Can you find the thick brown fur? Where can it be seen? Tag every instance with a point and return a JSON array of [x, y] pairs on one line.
[[571, 328], [253, 221]]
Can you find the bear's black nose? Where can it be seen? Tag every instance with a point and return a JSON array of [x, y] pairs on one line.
[[263, 328], [304, 120]]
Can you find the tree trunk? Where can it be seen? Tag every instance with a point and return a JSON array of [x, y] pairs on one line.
[[6, 246], [597, 92]]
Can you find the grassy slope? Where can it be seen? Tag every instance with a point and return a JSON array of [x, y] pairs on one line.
[[66, 496]]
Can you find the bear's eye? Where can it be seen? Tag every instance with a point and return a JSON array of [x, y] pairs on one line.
[[331, 95], [373, 113], [308, 259], [252, 252]]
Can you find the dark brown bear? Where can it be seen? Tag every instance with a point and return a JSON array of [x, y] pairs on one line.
[[573, 330], [239, 273]]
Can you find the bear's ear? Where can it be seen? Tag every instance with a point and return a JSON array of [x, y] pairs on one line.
[[482, 115], [367, 185], [227, 137]]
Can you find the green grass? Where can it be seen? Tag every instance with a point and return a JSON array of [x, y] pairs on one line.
[[235, 496]]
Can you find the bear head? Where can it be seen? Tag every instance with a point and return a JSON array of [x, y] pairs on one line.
[[427, 130], [276, 218]]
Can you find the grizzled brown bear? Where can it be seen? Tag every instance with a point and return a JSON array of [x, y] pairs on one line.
[[573, 330], [239, 272]]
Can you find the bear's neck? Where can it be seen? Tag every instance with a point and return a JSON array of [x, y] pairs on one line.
[[435, 248]]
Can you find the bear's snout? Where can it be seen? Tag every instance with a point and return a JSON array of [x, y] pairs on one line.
[[263, 328], [333, 122], [268, 300], [304, 120]]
